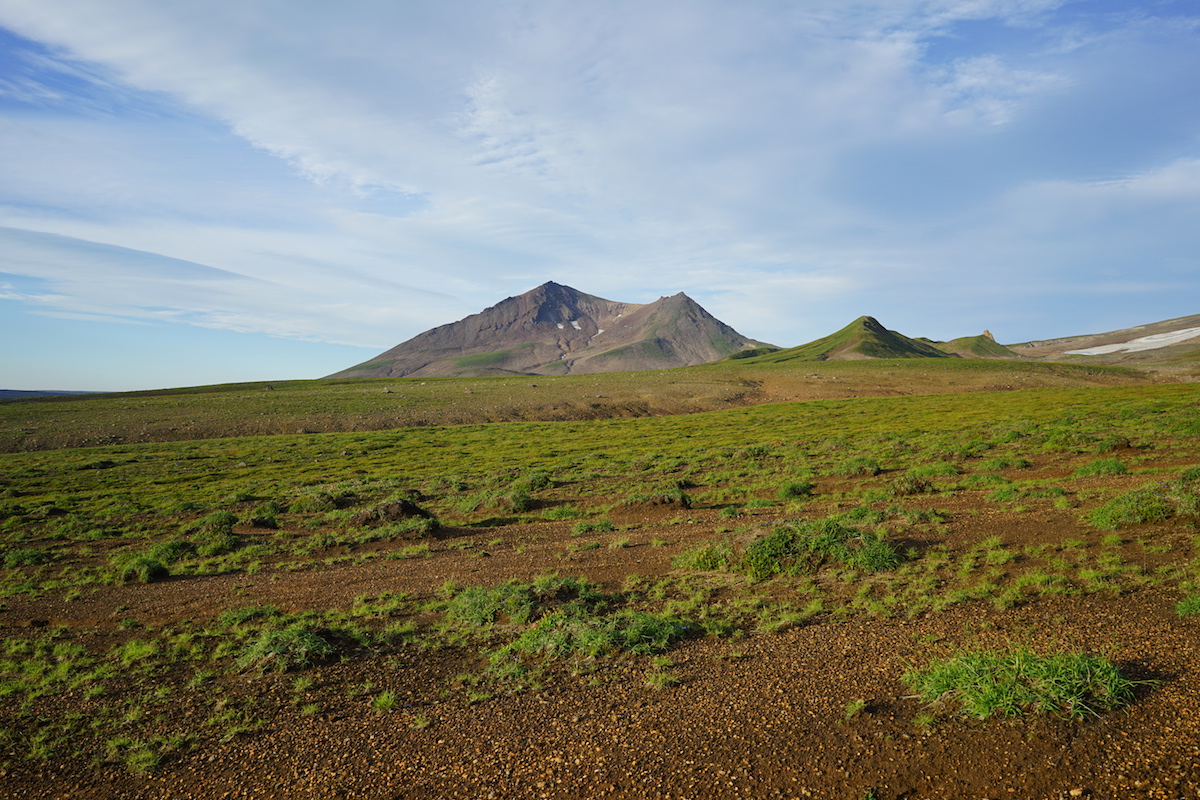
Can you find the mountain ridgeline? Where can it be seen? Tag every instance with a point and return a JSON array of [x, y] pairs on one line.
[[557, 330]]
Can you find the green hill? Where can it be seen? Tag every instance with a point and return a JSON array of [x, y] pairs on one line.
[[863, 338], [981, 346]]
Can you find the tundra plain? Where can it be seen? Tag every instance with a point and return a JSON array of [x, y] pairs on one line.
[[720, 581]]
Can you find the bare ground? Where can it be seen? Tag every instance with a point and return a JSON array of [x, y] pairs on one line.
[[761, 715]]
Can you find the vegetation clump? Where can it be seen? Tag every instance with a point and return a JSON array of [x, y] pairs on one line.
[[1188, 606], [141, 569], [860, 465], [938, 469], [1101, 467], [266, 515], [26, 557], [313, 503], [705, 557], [800, 547], [796, 490], [213, 534], [666, 497], [598, 526], [392, 510], [1147, 504], [283, 649], [522, 603], [909, 484], [170, 551], [1020, 682], [806, 546], [569, 631]]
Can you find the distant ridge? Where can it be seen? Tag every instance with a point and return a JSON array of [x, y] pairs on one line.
[[1168, 344], [863, 338], [25, 394], [557, 330]]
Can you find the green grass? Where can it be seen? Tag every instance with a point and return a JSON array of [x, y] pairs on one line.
[[383, 702], [796, 490], [661, 679], [806, 546], [256, 506], [704, 557], [1146, 504], [938, 469], [280, 650], [142, 569], [859, 465], [519, 603], [1188, 606], [1101, 467], [599, 526], [1019, 682]]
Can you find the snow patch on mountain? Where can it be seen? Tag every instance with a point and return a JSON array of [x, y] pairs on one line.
[[1152, 342]]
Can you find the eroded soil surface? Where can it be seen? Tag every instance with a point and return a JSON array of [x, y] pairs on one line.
[[754, 715]]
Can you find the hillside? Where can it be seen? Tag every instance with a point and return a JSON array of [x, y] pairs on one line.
[[863, 338], [557, 330], [1172, 345], [981, 346]]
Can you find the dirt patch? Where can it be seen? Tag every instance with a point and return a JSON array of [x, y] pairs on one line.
[[754, 715]]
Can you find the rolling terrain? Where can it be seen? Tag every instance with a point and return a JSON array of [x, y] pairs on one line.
[[327, 406], [738, 601]]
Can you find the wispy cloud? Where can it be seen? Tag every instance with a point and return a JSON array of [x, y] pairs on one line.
[[362, 172]]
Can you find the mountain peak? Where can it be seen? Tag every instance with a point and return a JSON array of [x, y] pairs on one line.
[[555, 329], [865, 337]]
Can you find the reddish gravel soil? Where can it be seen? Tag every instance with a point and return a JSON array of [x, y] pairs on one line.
[[755, 716]]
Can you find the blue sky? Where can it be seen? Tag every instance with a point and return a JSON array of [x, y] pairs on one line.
[[205, 192]]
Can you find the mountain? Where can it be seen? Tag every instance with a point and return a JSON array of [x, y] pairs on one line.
[[557, 330], [863, 338]]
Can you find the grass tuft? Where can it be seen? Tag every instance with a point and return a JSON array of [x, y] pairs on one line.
[[1101, 467], [1146, 504], [281, 650], [1188, 606], [1020, 682], [142, 569]]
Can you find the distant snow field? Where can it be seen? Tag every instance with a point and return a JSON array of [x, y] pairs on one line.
[[1142, 343]]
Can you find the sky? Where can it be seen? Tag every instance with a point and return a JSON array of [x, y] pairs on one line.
[[237, 190]]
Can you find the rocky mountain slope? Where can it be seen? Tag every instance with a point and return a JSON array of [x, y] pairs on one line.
[[557, 330]]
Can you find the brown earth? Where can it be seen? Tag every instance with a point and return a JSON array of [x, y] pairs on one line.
[[755, 716]]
